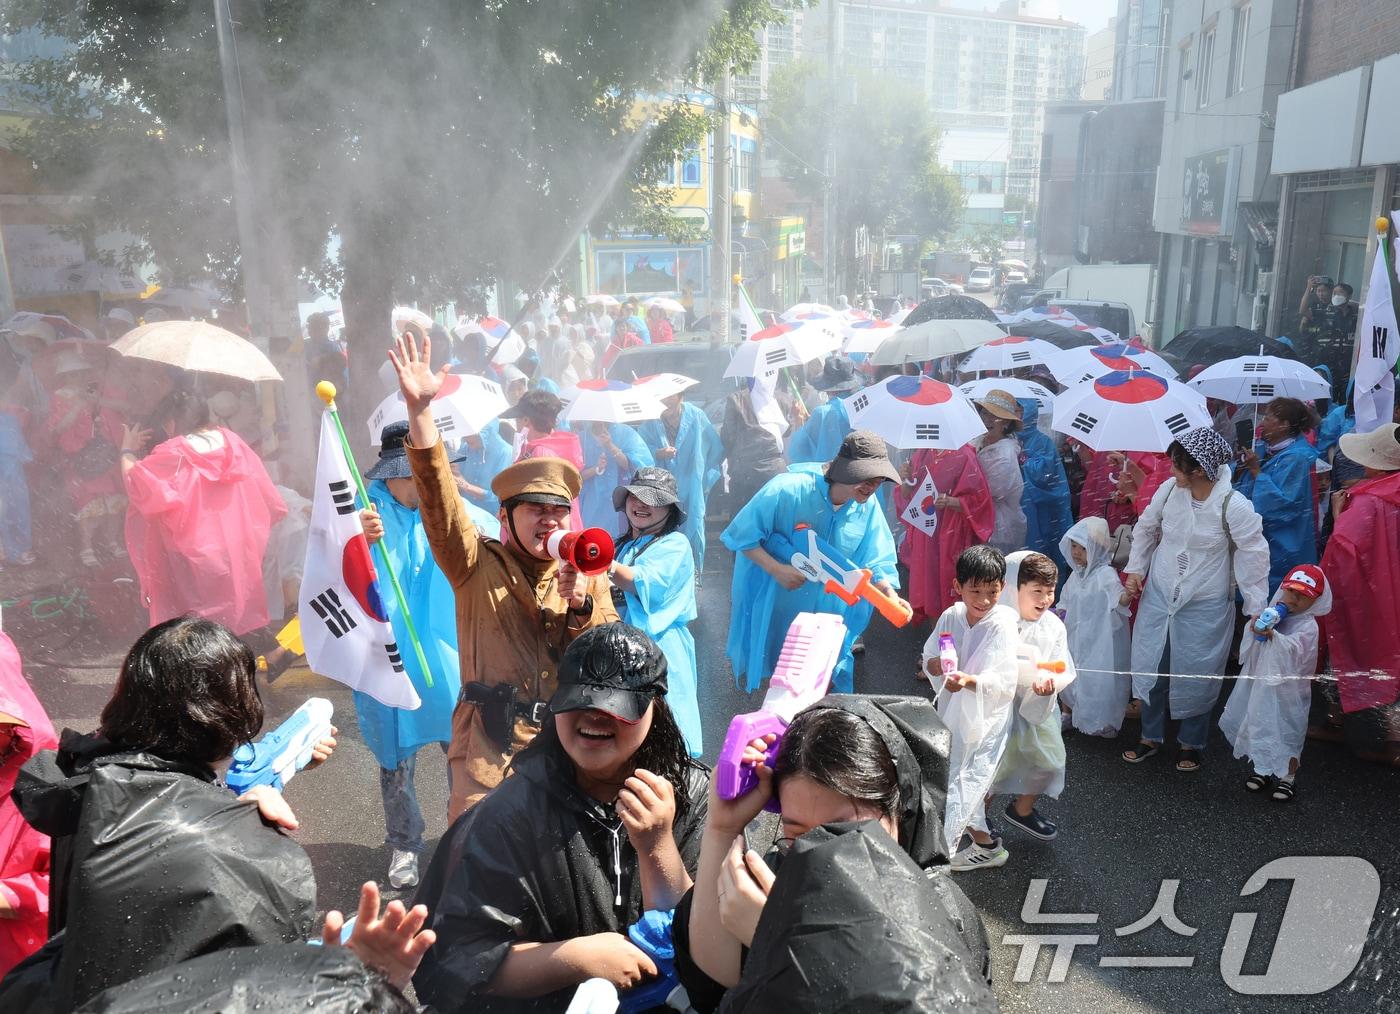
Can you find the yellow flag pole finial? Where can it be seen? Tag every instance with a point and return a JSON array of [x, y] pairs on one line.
[[1382, 225], [325, 390]]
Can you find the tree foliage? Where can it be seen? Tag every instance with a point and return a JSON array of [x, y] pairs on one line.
[[887, 174]]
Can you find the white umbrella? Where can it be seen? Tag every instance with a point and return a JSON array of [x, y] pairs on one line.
[[1074, 366], [934, 339], [198, 347], [663, 385], [664, 303], [898, 316], [1014, 386], [915, 412], [800, 311], [603, 299], [463, 406], [1009, 354], [868, 335], [609, 401], [498, 335], [402, 316], [46, 327], [1129, 410], [783, 345], [1253, 380]]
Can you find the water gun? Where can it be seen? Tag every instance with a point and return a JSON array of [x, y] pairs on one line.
[[947, 654], [810, 652], [1028, 669], [652, 935], [594, 996], [818, 561], [1269, 619], [284, 751]]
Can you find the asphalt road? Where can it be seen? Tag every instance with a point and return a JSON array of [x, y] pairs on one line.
[[1123, 831]]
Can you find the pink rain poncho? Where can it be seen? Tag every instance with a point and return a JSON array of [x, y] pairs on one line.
[[24, 852], [197, 528], [932, 561]]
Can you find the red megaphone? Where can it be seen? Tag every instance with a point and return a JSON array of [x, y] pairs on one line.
[[589, 551]]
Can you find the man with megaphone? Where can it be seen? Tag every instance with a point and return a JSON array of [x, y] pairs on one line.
[[520, 601]]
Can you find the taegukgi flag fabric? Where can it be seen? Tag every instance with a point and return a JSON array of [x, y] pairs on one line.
[[1377, 343], [344, 613], [922, 512]]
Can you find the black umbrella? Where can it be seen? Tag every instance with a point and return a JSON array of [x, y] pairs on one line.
[[1056, 334], [1211, 345], [950, 307]]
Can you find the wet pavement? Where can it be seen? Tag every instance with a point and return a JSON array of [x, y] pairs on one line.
[[1124, 831]]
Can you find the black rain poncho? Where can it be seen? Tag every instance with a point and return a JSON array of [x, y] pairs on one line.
[[274, 977], [532, 862], [844, 886], [153, 863]]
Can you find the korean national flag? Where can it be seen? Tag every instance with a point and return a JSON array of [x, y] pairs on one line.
[[344, 615], [921, 514]]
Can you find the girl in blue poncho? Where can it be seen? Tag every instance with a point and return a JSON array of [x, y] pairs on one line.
[[1277, 476], [686, 444], [611, 453], [654, 579]]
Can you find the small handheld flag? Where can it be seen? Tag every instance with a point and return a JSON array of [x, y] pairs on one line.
[[922, 512]]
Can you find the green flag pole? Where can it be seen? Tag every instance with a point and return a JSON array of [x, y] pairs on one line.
[[326, 391]]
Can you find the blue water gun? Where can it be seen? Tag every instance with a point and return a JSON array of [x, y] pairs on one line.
[[652, 934], [1269, 619], [284, 751], [822, 563]]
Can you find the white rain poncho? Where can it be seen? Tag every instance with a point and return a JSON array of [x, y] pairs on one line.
[[1266, 718], [1187, 602], [979, 718], [1034, 759], [1099, 637], [1001, 463]]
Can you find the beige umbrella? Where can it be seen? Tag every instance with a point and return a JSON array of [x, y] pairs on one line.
[[198, 347], [934, 339]]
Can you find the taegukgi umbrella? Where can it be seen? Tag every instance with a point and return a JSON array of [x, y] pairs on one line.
[[868, 335], [1253, 380], [199, 347], [915, 412], [1074, 366], [1014, 386], [663, 385], [933, 339], [664, 303], [463, 405], [498, 335], [799, 311], [783, 345], [1129, 410], [1010, 353], [603, 299], [609, 401]]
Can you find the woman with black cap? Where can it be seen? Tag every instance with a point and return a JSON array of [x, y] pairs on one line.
[[533, 890], [653, 576], [861, 914]]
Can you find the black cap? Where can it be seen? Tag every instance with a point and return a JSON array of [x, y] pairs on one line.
[[534, 405], [615, 669], [863, 456], [838, 374], [655, 487], [393, 454]]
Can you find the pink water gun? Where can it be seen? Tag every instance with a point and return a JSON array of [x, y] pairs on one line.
[[810, 652]]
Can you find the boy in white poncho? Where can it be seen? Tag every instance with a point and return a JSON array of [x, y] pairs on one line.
[[1096, 621], [1033, 763], [975, 701], [1266, 718]]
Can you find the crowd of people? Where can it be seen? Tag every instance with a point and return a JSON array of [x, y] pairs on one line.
[[1063, 590]]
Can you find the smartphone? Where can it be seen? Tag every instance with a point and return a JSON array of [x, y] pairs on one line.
[[1244, 434]]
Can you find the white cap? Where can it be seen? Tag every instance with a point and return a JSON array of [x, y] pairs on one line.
[[118, 313]]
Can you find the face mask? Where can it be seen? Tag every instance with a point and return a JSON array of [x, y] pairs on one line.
[[1338, 300]]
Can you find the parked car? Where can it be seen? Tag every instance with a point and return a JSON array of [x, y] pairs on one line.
[[980, 280], [1013, 277], [699, 359]]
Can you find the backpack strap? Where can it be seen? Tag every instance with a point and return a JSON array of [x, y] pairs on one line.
[[1229, 537]]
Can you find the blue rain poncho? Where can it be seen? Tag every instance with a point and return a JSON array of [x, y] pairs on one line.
[[1282, 495], [595, 503], [480, 465], [1045, 500], [820, 436], [696, 466], [394, 734], [660, 605], [762, 610], [15, 527]]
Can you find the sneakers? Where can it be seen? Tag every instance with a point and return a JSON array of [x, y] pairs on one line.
[[980, 857], [403, 869], [1034, 825]]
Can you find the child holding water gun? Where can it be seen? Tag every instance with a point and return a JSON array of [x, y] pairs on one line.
[[1033, 763], [972, 651], [1266, 719], [1096, 622]]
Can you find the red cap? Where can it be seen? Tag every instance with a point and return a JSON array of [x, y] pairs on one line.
[[1305, 579]]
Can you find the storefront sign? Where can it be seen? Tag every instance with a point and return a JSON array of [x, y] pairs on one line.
[[39, 259], [1209, 190]]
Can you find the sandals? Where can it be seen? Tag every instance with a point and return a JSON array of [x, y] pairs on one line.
[[1283, 790], [1256, 782], [1141, 752], [1188, 761]]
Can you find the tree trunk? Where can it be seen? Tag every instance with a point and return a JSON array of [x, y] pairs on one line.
[[367, 299]]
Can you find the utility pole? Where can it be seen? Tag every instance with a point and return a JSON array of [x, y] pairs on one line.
[[830, 241], [721, 218]]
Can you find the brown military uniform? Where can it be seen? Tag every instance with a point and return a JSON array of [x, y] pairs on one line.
[[512, 625]]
